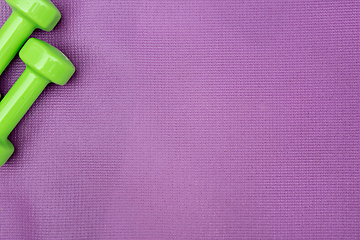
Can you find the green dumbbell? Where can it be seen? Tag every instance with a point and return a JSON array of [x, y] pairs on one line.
[[44, 64], [27, 15]]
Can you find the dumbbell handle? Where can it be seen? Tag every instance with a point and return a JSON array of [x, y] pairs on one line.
[[13, 35], [19, 99]]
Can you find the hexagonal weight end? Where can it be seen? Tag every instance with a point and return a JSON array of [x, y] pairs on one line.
[[42, 13], [47, 61]]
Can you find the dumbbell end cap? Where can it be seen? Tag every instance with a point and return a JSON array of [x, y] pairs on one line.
[[47, 61], [42, 13]]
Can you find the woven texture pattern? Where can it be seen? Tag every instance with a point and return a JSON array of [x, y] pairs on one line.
[[191, 119]]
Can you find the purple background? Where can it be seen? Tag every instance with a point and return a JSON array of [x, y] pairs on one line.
[[192, 120]]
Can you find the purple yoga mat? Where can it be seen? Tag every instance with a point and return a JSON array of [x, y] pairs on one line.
[[191, 120]]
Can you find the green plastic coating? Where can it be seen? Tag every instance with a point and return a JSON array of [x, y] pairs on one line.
[[13, 34], [44, 64], [25, 18]]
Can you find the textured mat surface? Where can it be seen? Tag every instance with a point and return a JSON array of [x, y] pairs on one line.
[[191, 120]]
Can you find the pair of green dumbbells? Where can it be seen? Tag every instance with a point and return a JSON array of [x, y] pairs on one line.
[[44, 63]]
